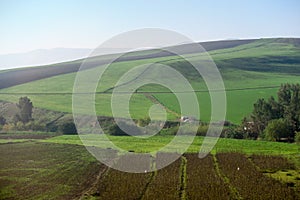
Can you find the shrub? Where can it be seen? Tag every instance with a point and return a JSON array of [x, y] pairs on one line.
[[233, 133], [297, 137], [144, 122], [20, 126], [277, 129], [67, 127], [35, 126], [202, 130], [169, 131], [116, 130], [2, 120], [8, 127]]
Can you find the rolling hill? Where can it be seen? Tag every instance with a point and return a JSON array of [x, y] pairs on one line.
[[8, 77], [251, 69]]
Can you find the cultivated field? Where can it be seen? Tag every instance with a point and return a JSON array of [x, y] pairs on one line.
[[47, 170], [39, 165]]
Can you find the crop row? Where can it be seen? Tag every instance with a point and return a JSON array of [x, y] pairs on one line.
[[166, 182], [228, 176], [123, 185], [202, 180], [272, 163], [249, 182]]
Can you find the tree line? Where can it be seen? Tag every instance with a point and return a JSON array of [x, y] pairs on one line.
[[22, 120], [276, 119]]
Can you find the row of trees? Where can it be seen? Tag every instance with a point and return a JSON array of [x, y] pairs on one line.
[[276, 119], [23, 121]]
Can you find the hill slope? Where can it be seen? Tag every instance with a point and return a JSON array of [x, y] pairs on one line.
[[15, 77], [251, 70]]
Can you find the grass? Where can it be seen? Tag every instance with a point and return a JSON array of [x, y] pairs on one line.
[[239, 102], [247, 70], [6, 141], [156, 142]]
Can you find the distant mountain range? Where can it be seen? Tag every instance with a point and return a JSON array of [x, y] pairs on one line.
[[42, 57]]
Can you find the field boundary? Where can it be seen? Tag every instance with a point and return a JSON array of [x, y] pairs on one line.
[[156, 101], [183, 178]]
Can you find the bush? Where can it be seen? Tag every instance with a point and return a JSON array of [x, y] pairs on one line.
[[68, 128], [277, 129], [116, 130], [20, 126], [233, 133], [2, 120], [144, 122], [297, 137], [35, 126], [168, 131], [8, 127], [202, 130], [52, 127]]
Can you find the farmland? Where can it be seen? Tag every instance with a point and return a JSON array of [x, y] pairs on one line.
[[72, 173], [250, 71], [39, 165]]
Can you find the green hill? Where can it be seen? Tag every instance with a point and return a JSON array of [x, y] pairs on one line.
[[250, 69]]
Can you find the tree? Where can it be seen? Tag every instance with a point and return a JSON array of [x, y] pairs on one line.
[[277, 129], [263, 112], [289, 98], [25, 106], [287, 107]]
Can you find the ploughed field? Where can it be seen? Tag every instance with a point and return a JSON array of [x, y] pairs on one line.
[[39, 170]]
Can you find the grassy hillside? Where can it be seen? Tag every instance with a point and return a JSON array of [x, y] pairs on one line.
[[250, 71], [13, 77]]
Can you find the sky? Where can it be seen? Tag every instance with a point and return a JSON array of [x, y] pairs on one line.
[[40, 24]]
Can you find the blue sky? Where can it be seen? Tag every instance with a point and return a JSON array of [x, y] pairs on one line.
[[28, 25]]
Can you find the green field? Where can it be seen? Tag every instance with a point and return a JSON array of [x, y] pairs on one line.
[[250, 71], [156, 142]]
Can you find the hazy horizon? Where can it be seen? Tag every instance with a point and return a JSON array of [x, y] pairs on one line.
[[32, 25], [40, 57]]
